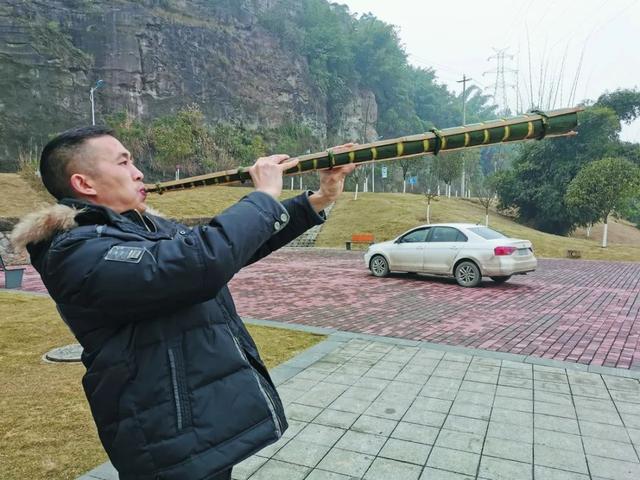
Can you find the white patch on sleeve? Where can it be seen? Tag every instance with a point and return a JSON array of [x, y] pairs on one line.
[[125, 254]]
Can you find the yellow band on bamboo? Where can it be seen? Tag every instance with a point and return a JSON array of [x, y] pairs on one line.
[[425, 144], [529, 130], [486, 136], [399, 148], [352, 156], [467, 139], [374, 153], [507, 132]]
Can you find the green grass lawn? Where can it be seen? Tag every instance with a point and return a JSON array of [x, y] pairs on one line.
[[46, 429]]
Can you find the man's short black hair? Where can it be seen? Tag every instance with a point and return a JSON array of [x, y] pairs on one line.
[[59, 152]]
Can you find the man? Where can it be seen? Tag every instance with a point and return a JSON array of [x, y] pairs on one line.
[[175, 383]]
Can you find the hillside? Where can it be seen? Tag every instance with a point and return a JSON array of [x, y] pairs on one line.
[[384, 214]]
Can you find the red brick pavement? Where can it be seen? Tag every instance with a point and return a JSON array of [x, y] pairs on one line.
[[581, 311]]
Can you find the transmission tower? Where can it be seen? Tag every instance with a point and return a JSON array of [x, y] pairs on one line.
[[500, 85]]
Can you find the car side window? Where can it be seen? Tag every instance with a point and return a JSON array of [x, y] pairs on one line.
[[447, 234], [416, 236]]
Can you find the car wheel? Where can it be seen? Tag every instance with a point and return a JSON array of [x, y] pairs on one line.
[[501, 279], [468, 274], [379, 266]]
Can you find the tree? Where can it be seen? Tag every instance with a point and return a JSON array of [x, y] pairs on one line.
[[538, 181], [430, 196], [601, 188], [487, 195], [448, 167], [625, 102]]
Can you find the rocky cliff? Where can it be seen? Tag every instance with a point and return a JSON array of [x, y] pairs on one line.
[[154, 56]]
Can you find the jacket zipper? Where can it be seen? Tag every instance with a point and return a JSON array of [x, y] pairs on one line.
[[265, 393], [176, 392]]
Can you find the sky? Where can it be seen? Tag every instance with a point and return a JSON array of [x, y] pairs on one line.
[[560, 51]]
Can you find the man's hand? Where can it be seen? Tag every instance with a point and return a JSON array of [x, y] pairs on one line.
[[331, 181], [266, 173]]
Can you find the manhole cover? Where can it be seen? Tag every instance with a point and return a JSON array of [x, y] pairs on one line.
[[68, 353]]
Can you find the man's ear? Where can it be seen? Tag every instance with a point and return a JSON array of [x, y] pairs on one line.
[[82, 184]]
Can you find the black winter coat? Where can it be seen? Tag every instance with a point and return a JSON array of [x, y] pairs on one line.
[[175, 383]]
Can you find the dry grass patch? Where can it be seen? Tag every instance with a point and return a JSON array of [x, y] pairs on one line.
[[17, 198], [46, 429]]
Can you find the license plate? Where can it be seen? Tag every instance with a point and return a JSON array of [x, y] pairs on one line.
[[523, 251]]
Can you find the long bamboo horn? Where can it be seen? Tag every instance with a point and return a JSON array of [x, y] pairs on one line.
[[535, 125]]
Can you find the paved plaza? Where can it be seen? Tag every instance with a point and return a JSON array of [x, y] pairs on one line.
[[361, 407]]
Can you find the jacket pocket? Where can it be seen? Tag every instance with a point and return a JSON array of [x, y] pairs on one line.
[[179, 387]]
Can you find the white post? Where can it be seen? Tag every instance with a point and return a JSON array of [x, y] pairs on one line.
[[438, 189], [404, 186], [93, 110], [589, 230], [177, 173], [428, 213], [291, 183], [355, 196], [604, 233], [300, 182], [486, 220], [373, 177], [366, 184]]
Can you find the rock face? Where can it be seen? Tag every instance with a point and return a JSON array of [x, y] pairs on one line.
[[155, 56]]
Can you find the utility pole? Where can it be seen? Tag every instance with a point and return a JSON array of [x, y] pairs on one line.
[[464, 118]]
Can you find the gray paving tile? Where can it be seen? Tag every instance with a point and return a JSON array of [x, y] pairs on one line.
[[514, 392], [517, 372], [557, 424], [105, 471], [320, 434], [517, 382], [553, 387], [466, 424], [508, 449], [443, 393], [302, 453], [405, 451], [610, 417], [244, 469], [374, 425], [589, 391], [547, 473], [500, 469], [424, 417], [489, 378], [613, 469], [346, 462], [362, 442], [624, 384], [524, 419], [556, 409], [560, 459], [295, 426], [478, 387], [610, 449], [270, 450], [415, 378], [298, 384], [349, 404], [392, 409], [585, 378], [431, 404], [559, 440], [634, 435], [630, 421], [281, 470], [454, 460], [387, 469], [557, 398], [472, 410], [510, 403], [415, 433], [342, 378], [467, 442], [607, 432], [305, 413], [318, 474], [436, 474], [336, 418], [443, 383], [405, 389], [555, 376], [511, 432], [475, 397], [628, 407], [624, 396], [372, 383], [362, 393]]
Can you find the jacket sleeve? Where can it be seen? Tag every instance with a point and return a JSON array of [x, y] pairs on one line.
[[302, 217], [153, 275]]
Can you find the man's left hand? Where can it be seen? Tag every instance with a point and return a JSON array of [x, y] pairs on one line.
[[331, 181]]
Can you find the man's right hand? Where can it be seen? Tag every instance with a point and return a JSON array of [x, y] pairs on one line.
[[267, 172]]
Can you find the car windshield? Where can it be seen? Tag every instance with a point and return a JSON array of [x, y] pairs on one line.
[[487, 233]]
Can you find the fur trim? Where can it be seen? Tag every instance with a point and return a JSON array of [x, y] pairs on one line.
[[39, 226]]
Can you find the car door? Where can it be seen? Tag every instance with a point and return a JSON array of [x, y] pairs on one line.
[[442, 248], [407, 251]]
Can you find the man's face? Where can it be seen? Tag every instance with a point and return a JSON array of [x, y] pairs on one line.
[[116, 181]]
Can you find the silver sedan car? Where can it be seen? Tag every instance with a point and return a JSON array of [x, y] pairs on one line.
[[465, 251]]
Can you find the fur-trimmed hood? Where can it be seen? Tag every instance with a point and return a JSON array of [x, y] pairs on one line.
[[42, 225], [39, 226]]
